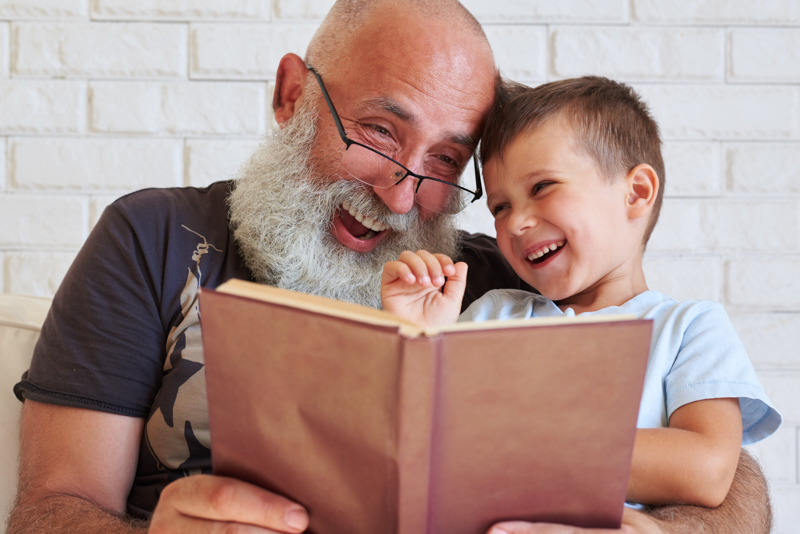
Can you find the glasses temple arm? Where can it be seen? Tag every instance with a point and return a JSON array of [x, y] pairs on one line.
[[328, 101], [478, 187]]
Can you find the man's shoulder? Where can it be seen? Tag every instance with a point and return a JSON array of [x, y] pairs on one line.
[[149, 202], [155, 214], [477, 243]]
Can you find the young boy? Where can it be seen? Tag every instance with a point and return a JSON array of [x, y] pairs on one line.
[[574, 178]]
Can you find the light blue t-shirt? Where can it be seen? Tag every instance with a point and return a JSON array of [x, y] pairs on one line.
[[695, 354]]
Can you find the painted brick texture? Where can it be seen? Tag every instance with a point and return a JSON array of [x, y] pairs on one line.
[[102, 97], [42, 107], [639, 53], [99, 50], [43, 9], [95, 164], [198, 108], [125, 10], [244, 51]]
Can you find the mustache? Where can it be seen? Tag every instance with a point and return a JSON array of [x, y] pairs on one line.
[[363, 199], [282, 210]]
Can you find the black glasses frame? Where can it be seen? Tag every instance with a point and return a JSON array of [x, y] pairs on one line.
[[478, 193]]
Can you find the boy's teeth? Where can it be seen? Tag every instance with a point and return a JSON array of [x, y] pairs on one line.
[[536, 254], [369, 222]]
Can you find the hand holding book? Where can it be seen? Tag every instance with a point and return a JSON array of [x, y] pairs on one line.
[[414, 288]]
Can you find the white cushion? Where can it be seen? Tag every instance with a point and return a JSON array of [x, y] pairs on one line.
[[21, 320]]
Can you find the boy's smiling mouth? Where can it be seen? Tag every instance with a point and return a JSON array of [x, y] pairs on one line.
[[545, 252]]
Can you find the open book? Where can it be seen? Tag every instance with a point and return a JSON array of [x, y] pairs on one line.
[[377, 426]]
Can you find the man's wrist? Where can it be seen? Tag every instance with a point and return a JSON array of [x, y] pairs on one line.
[[635, 522]]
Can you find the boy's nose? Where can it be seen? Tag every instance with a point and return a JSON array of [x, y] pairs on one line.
[[520, 222]]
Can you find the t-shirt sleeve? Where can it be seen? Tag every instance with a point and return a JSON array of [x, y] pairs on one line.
[[99, 346], [712, 363], [502, 304]]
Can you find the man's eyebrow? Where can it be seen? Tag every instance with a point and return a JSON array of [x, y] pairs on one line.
[[396, 109], [393, 107], [465, 140]]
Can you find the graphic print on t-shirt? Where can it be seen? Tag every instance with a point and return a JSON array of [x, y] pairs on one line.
[[177, 429]]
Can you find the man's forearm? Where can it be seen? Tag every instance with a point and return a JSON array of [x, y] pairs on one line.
[[745, 510], [59, 514]]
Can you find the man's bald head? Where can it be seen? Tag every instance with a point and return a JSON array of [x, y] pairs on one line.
[[339, 32]]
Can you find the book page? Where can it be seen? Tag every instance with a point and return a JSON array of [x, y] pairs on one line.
[[523, 323], [303, 301]]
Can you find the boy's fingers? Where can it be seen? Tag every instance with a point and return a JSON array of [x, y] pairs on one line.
[[418, 266], [447, 264], [397, 270], [433, 266], [456, 283]]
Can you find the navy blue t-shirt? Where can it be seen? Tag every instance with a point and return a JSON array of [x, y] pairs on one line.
[[123, 334]]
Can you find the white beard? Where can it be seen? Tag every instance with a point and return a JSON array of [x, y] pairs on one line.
[[282, 211]]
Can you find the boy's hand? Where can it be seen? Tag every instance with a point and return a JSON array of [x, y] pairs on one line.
[[414, 288]]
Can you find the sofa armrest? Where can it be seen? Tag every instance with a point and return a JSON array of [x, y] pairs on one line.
[[21, 320]]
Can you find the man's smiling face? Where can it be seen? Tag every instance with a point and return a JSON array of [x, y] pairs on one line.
[[420, 94]]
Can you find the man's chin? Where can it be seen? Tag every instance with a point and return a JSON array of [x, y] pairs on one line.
[[352, 242]]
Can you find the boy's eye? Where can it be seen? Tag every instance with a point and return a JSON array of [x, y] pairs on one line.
[[495, 211], [539, 186]]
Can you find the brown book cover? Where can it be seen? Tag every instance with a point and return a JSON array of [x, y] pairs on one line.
[[377, 426]]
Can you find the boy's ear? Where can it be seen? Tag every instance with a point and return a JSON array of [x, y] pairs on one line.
[[642, 190], [290, 83]]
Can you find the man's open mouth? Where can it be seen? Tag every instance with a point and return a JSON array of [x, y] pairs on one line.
[[545, 252], [361, 226]]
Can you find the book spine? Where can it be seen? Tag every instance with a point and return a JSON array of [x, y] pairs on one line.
[[417, 385]]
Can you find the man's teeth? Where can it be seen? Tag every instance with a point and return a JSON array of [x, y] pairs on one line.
[[369, 222], [536, 254]]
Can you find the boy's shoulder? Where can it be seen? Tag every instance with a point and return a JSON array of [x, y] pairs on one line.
[[652, 304], [504, 304]]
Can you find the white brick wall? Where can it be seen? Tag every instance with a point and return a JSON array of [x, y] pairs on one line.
[[41, 107], [178, 10], [98, 50], [100, 97], [244, 51]]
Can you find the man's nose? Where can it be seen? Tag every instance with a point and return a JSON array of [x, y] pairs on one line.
[[400, 197]]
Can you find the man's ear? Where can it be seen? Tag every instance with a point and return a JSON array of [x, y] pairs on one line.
[[289, 87], [643, 184]]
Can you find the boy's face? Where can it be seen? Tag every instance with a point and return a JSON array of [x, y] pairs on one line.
[[562, 226]]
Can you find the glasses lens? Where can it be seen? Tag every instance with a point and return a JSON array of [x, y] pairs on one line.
[[379, 171]]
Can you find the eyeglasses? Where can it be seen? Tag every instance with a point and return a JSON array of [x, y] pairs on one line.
[[369, 165]]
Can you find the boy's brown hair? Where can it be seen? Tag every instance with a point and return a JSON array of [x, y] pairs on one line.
[[611, 123]]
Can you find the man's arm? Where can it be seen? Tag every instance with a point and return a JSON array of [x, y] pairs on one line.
[[77, 468], [746, 510], [691, 462]]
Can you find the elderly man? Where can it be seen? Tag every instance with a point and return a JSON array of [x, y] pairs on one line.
[[116, 418]]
